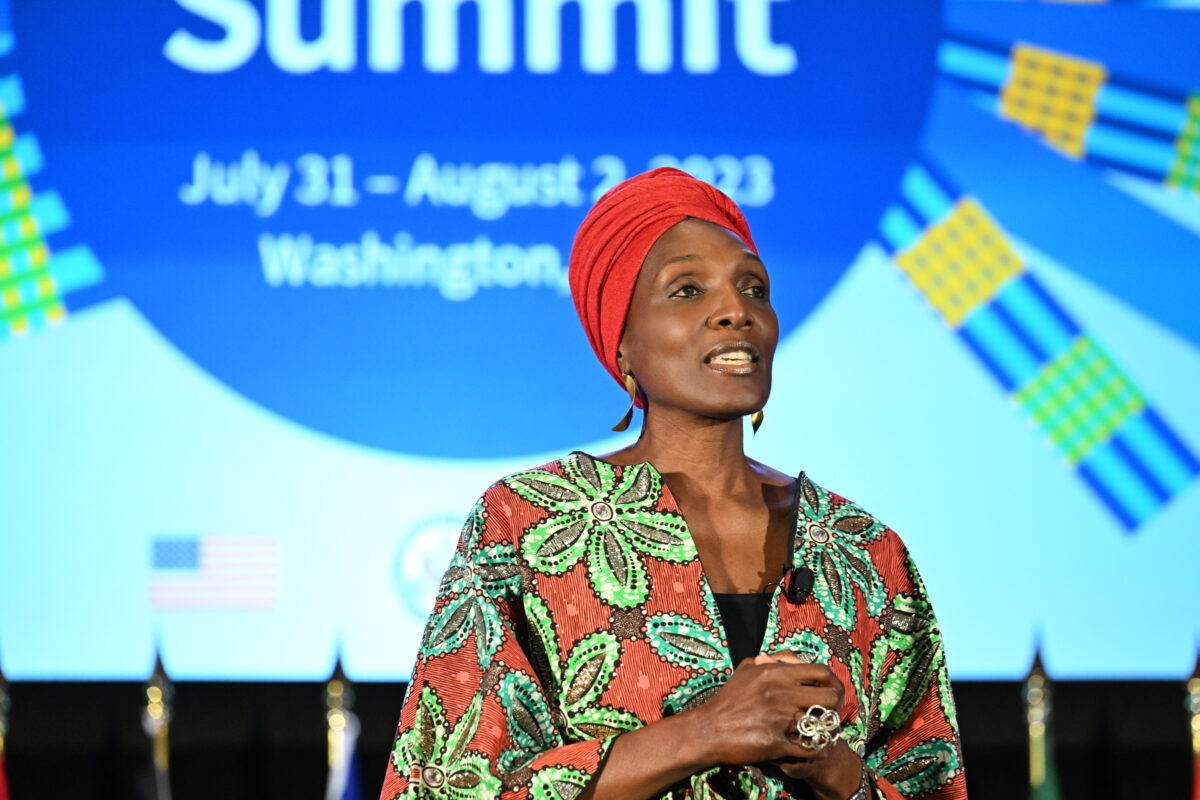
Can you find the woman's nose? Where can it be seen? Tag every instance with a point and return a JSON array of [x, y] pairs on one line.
[[731, 311]]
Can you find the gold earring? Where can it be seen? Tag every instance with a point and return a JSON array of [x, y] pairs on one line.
[[756, 420], [631, 387]]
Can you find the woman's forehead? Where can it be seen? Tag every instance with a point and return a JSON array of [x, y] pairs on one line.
[[695, 240]]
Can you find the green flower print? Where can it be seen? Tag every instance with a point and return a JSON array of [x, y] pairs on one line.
[[529, 725], [606, 518], [810, 647], [694, 692], [685, 642], [729, 783], [498, 571], [931, 631], [435, 758], [476, 579], [558, 783], [911, 633], [460, 615], [925, 767], [579, 683], [831, 542]]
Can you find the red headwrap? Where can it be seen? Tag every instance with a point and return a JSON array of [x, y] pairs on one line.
[[615, 236]]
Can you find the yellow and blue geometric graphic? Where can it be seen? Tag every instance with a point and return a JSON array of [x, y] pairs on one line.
[[1080, 108], [33, 281], [969, 271]]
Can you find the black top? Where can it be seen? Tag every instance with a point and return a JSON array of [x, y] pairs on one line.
[[745, 619]]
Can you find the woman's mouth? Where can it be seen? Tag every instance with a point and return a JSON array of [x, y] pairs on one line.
[[733, 358]]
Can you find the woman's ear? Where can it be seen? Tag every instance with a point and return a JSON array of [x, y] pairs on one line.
[[622, 364]]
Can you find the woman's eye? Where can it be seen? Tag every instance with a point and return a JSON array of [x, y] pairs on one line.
[[688, 290], [758, 291]]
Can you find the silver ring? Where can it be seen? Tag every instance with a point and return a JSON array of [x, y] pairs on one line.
[[818, 727]]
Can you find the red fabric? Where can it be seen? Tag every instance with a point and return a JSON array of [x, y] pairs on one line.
[[615, 236]]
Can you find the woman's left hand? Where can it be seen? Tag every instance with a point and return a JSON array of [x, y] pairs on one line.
[[832, 773]]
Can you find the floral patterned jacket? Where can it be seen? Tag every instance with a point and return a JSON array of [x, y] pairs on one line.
[[576, 608]]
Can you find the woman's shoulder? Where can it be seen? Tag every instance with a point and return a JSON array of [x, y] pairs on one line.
[[874, 552], [571, 477], [837, 515]]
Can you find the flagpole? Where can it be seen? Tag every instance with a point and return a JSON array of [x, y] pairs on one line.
[[342, 729], [4, 706], [337, 696], [1193, 703], [156, 722], [1043, 777]]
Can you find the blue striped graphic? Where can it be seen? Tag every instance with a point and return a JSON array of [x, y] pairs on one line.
[[50, 212], [1023, 329], [1005, 348], [977, 66], [1162, 460], [1144, 474], [1031, 310], [899, 229], [1143, 109], [76, 268], [924, 193], [1119, 484], [12, 96], [28, 153], [1129, 148]]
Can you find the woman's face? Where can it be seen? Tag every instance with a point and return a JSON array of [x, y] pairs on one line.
[[701, 332]]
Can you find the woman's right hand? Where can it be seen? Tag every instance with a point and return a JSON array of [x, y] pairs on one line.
[[752, 718]]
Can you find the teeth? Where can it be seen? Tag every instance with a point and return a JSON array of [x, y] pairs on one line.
[[736, 357]]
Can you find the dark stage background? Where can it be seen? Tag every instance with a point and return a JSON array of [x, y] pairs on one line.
[[259, 741]]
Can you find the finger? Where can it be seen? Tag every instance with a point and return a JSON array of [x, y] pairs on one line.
[[823, 697], [816, 747], [800, 769], [827, 698], [809, 674], [796, 767], [787, 696], [783, 657], [797, 752]]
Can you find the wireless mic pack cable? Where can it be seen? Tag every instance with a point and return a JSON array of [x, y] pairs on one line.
[[799, 580]]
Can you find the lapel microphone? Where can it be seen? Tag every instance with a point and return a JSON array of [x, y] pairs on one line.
[[800, 583]]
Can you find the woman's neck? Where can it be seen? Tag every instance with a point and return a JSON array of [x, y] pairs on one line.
[[706, 454]]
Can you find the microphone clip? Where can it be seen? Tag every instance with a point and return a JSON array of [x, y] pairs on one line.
[[800, 584]]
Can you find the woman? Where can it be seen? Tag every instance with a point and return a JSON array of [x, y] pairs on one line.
[[585, 637]]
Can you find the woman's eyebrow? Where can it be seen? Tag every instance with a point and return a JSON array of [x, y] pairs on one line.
[[684, 257]]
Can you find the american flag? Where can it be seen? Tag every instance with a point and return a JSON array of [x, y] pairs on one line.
[[208, 571]]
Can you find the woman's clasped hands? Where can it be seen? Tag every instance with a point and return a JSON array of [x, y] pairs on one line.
[[753, 719]]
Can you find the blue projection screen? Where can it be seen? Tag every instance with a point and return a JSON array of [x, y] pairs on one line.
[[283, 288]]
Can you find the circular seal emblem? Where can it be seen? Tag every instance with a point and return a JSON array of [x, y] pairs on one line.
[[423, 553]]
